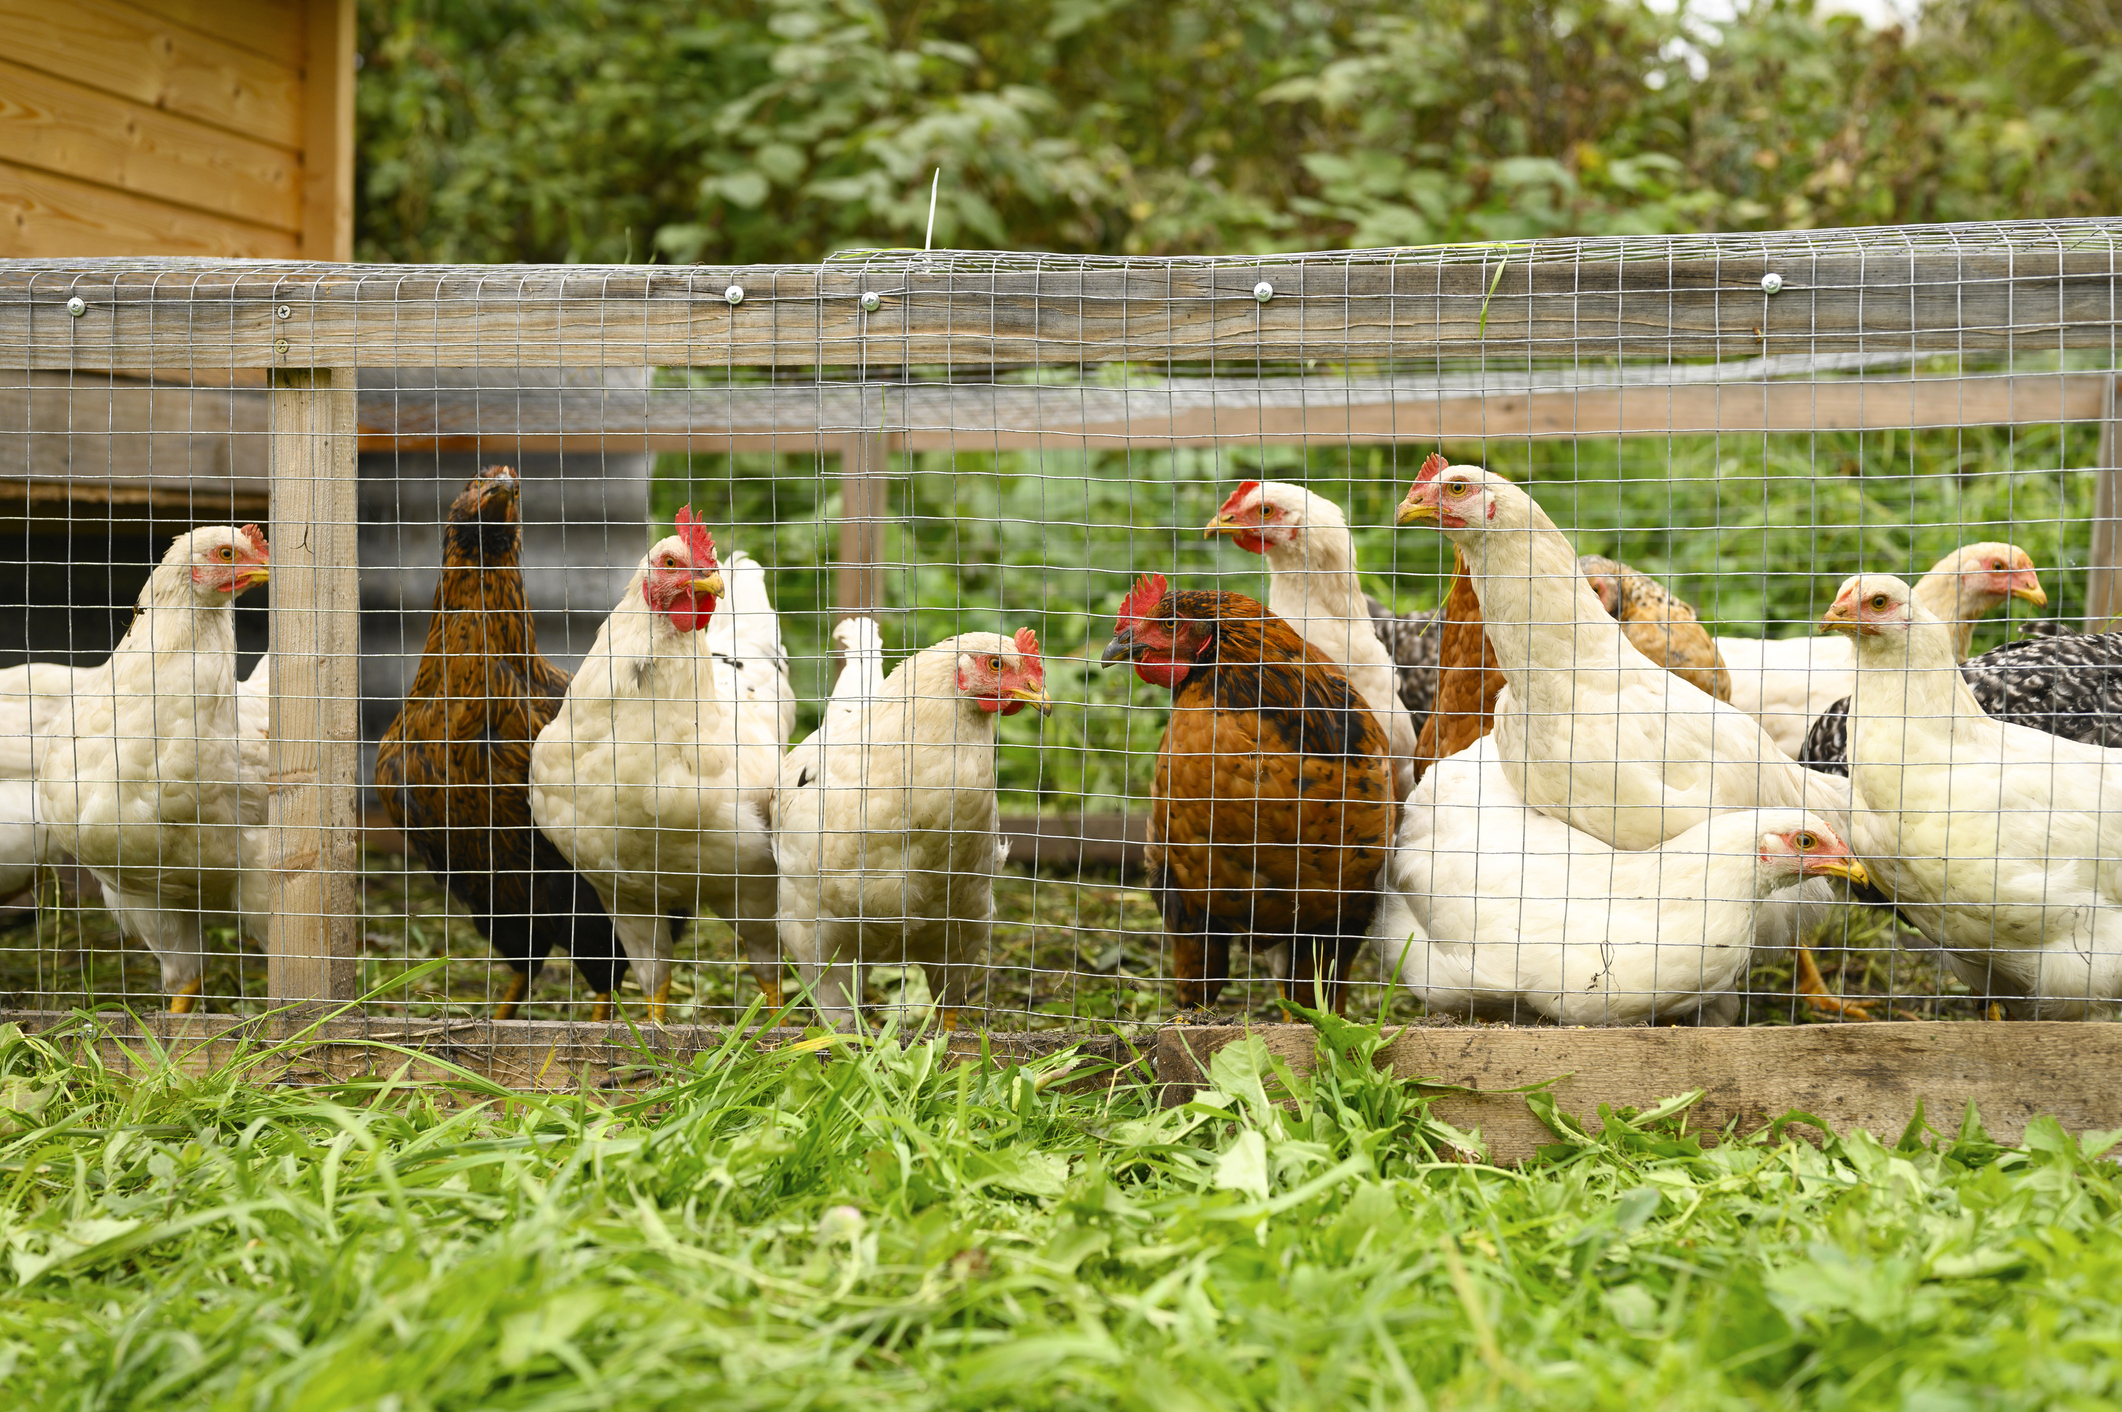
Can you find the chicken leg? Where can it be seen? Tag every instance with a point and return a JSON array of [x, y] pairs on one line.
[[518, 987], [184, 997], [1813, 986]]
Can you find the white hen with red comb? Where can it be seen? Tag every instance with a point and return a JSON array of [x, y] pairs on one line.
[[1589, 730], [1312, 586], [657, 776], [1498, 911], [2000, 843], [143, 780], [887, 833]]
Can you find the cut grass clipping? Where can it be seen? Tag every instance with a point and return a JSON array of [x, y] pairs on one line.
[[850, 1224]]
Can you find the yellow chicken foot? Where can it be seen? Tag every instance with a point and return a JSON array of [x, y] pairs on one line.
[[1813, 986], [1994, 1010], [950, 1018], [518, 987], [600, 1010], [183, 998], [771, 989], [659, 1003]]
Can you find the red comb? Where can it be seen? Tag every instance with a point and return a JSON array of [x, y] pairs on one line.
[[1147, 593], [1230, 506], [1432, 467], [1028, 646], [699, 544], [257, 538]]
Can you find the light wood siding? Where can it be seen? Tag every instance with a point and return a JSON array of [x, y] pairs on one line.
[[177, 127]]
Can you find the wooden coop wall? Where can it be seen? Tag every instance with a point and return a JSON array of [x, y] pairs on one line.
[[177, 127]]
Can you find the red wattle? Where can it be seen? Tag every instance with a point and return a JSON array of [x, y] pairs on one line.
[[1250, 541], [1165, 674], [689, 612]]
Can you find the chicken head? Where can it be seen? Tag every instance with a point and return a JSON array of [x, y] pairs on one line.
[[1256, 516], [223, 559], [1162, 647], [1870, 605], [482, 519], [1005, 680], [1812, 851], [684, 579], [1459, 498], [1986, 575]]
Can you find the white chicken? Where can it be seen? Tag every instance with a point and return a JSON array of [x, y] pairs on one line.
[[1494, 909], [1312, 586], [1590, 730], [887, 832], [656, 776], [143, 780], [1785, 683], [2001, 844]]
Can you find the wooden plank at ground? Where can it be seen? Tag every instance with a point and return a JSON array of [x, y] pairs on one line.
[[119, 49], [316, 652], [95, 138], [1846, 1075], [549, 1056], [1953, 290]]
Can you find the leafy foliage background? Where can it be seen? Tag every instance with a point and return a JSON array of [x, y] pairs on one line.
[[768, 130]]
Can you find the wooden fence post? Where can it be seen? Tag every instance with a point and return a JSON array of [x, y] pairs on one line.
[[316, 645], [865, 462], [2102, 601]]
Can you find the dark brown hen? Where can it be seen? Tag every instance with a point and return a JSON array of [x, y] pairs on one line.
[[453, 770], [1274, 805]]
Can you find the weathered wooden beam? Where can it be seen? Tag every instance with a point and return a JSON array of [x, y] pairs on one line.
[[865, 498], [1010, 417], [316, 649], [1847, 1075], [1944, 290]]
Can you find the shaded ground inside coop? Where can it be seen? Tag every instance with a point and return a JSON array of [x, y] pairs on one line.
[[1083, 951]]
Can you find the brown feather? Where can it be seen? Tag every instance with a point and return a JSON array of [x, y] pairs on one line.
[[453, 770], [1273, 810]]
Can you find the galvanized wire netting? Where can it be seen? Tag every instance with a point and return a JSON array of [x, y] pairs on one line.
[[958, 443]]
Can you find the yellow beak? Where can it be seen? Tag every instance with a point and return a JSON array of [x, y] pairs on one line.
[[710, 584], [1851, 869], [2032, 593], [1835, 620], [251, 578], [1222, 524], [1037, 696], [1414, 510]]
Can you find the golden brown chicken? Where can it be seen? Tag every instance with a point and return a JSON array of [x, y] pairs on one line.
[[1273, 811], [1468, 681], [1662, 627]]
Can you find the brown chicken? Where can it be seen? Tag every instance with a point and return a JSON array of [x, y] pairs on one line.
[[1468, 680], [1662, 627], [1273, 812], [453, 770]]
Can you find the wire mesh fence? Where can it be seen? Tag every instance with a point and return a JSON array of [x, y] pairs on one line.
[[834, 637]]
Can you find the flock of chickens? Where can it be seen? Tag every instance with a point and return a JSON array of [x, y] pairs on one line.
[[1557, 796]]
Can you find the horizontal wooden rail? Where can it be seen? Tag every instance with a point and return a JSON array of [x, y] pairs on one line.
[[1939, 289], [1015, 418]]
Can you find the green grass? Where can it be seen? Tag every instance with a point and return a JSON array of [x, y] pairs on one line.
[[868, 1228]]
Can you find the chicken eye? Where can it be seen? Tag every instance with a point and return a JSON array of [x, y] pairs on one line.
[[1806, 841], [994, 664], [228, 554], [1878, 602], [1456, 488]]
